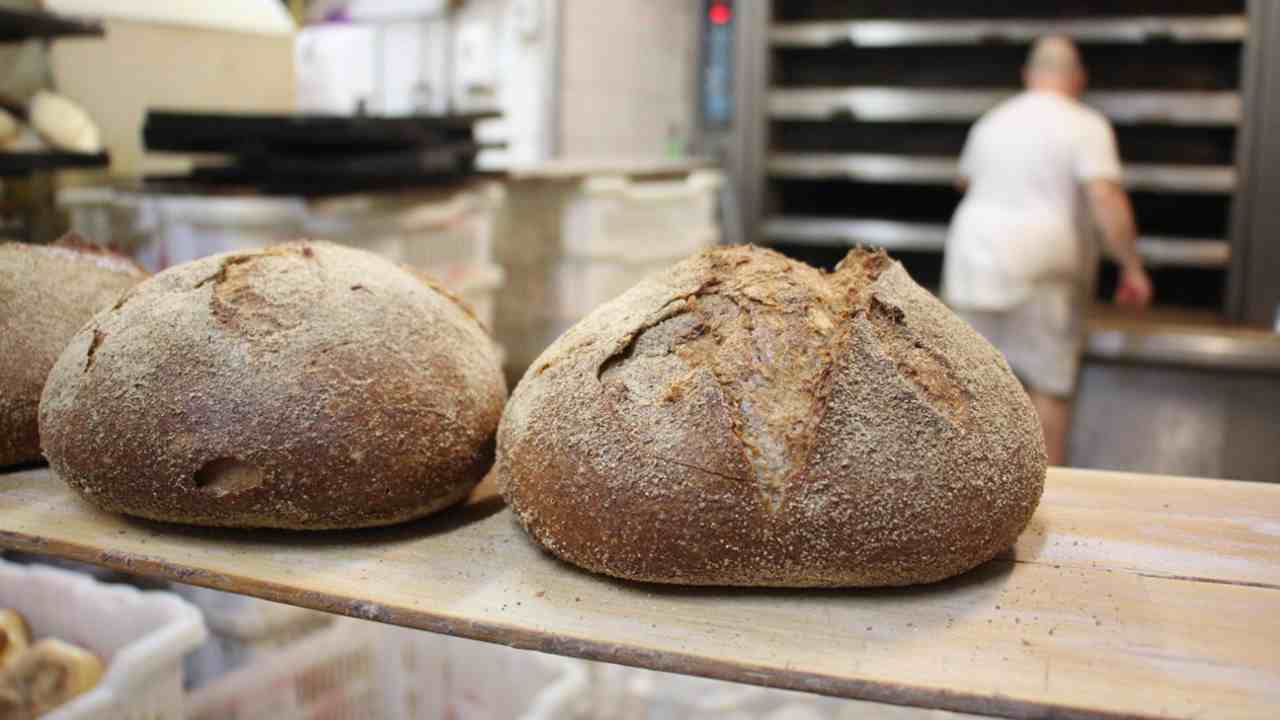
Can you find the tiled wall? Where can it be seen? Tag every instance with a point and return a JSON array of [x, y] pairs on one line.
[[627, 72]]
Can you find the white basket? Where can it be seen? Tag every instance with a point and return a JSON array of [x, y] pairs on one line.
[[635, 694], [358, 669], [110, 218], [422, 230], [162, 230], [240, 629], [613, 217], [187, 227], [141, 636], [248, 618]]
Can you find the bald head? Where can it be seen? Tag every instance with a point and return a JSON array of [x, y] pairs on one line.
[[1054, 64]]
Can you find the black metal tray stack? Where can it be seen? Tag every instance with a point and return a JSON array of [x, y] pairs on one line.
[[314, 155]]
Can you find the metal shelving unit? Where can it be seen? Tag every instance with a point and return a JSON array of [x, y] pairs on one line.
[[898, 33], [885, 168], [17, 25], [873, 108], [893, 104], [899, 236]]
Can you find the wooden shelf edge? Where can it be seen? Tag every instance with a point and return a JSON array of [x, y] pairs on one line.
[[582, 647], [1167, 549]]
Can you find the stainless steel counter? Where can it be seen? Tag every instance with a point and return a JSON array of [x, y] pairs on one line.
[[1165, 339], [1178, 393], [1169, 398], [1200, 350]]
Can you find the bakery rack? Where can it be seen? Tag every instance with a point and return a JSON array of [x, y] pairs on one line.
[[868, 104], [1130, 596], [16, 25]]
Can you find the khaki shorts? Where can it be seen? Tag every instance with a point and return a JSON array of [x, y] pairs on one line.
[[1042, 338]]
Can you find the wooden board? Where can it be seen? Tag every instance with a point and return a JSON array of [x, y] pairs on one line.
[[1128, 596]]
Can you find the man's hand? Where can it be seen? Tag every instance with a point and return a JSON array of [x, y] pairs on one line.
[[1134, 288], [1114, 214]]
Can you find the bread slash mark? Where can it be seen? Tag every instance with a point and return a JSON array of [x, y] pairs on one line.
[[221, 274], [124, 298], [94, 343], [264, 292], [699, 468], [925, 369], [766, 348]]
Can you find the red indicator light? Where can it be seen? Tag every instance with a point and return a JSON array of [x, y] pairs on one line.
[[720, 14]]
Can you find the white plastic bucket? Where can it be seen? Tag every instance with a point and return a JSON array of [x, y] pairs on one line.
[[613, 217], [110, 218], [357, 669], [584, 283], [193, 226], [423, 230]]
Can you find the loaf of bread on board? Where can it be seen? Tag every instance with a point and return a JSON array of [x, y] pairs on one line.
[[47, 292], [745, 419], [301, 386]]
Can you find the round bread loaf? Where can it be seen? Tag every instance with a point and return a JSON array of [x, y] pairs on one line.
[[47, 292], [744, 419], [302, 386]]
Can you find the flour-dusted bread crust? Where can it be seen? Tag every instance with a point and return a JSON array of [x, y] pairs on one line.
[[47, 292], [744, 419], [301, 386]]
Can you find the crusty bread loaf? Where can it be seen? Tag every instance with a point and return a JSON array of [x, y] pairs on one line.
[[47, 292], [47, 675], [62, 123], [301, 386], [744, 419]]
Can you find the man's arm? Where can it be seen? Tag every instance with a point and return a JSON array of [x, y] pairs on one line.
[[1114, 214], [964, 167]]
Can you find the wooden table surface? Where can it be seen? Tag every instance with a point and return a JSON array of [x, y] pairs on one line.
[[1128, 596]]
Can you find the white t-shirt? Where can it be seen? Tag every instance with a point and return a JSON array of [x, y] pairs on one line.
[[1024, 219]]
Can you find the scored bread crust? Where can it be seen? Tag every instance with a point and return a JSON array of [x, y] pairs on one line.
[[302, 386], [47, 292], [744, 419]]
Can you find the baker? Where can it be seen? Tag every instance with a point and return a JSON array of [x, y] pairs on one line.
[[1040, 173]]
